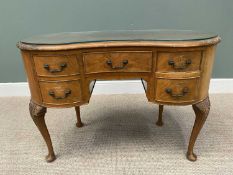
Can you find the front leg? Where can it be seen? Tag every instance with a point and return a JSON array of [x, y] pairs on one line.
[[38, 113], [201, 111]]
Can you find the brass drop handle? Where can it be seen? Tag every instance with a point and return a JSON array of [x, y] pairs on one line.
[[123, 64], [62, 66], [184, 91], [183, 65], [67, 92]]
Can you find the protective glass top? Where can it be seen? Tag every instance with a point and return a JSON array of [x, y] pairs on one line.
[[118, 35]]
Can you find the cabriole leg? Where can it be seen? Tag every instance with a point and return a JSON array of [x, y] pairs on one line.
[[160, 118], [201, 111], [38, 113], [79, 122]]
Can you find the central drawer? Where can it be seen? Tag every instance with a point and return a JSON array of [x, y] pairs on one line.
[[118, 61]]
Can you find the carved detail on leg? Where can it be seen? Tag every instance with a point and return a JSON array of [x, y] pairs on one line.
[[201, 111], [160, 118], [79, 123], [38, 113]]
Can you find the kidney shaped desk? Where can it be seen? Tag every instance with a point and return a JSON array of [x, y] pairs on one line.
[[174, 66]]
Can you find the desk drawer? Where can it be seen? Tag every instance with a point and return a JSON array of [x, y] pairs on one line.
[[179, 61], [61, 92], [56, 65], [119, 61], [177, 91]]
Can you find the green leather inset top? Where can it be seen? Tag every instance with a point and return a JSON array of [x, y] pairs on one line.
[[118, 35]]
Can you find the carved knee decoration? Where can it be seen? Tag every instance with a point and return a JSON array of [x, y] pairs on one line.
[[37, 113]]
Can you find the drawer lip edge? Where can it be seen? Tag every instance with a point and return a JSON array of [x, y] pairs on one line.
[[177, 102], [60, 104], [123, 51], [54, 76], [88, 73], [59, 81], [172, 75]]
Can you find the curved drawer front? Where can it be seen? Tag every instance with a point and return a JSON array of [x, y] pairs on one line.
[[61, 92], [118, 61], [56, 65], [177, 91], [179, 61]]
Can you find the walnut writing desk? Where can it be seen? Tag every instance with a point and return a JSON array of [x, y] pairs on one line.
[[174, 66]]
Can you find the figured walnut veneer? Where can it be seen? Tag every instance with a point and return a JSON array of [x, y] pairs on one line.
[[173, 73]]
